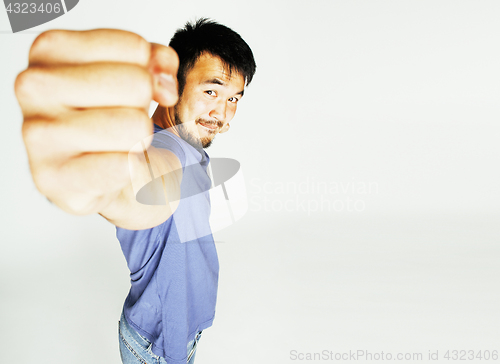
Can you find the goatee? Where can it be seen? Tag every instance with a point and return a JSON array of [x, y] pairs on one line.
[[193, 140]]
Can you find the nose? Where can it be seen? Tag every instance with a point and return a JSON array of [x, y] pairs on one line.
[[219, 110]]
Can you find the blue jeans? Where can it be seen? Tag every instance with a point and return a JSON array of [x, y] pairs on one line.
[[136, 349]]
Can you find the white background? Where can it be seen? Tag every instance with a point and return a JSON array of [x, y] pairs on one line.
[[402, 96]]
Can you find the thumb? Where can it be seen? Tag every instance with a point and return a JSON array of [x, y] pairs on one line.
[[163, 66]]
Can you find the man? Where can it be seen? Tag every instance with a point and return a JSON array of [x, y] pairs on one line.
[[84, 99]]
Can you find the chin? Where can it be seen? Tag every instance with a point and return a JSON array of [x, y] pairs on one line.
[[205, 142]]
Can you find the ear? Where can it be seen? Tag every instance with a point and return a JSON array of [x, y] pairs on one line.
[[224, 128]]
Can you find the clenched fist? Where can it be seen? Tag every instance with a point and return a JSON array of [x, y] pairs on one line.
[[84, 98]]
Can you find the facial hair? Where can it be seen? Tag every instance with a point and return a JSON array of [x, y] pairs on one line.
[[194, 140]]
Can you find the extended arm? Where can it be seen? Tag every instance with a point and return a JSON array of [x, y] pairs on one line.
[[84, 98]]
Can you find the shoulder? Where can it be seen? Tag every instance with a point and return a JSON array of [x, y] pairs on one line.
[[164, 139]]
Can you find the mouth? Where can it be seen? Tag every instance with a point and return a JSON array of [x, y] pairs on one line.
[[210, 127]]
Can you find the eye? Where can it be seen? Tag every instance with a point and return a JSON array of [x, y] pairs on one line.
[[233, 100], [210, 92]]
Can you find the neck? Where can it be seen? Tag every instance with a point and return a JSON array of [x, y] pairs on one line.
[[163, 117]]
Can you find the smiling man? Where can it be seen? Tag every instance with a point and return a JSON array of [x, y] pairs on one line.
[[212, 86], [208, 86], [84, 98]]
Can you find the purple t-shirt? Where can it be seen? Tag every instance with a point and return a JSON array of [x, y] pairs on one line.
[[173, 266]]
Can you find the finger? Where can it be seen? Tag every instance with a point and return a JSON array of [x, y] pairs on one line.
[[56, 47], [89, 130], [163, 65], [78, 184], [53, 90]]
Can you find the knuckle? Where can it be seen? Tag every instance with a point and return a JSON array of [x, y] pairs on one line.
[[173, 57], [35, 133], [164, 59], [168, 59], [20, 84], [142, 47], [45, 179], [27, 83], [43, 42], [28, 132], [24, 83]]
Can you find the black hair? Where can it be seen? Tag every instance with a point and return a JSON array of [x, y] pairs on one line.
[[208, 36]]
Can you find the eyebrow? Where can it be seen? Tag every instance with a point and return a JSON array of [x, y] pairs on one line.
[[218, 81]]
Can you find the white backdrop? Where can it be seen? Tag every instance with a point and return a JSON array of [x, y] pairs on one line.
[[369, 144]]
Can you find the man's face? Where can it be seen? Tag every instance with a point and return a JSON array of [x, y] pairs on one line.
[[208, 101]]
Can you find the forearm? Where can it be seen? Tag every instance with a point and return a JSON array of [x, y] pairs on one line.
[[153, 194]]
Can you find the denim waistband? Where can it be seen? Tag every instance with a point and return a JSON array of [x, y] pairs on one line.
[[132, 332]]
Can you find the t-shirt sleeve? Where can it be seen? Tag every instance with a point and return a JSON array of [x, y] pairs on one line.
[[166, 140]]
